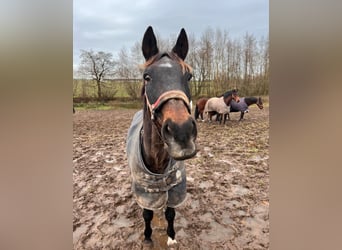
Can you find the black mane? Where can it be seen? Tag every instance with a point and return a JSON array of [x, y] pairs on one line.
[[251, 100], [228, 93]]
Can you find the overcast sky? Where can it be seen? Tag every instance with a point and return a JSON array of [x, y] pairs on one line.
[[110, 25]]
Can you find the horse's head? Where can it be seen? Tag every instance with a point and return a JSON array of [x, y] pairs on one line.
[[167, 95], [231, 95], [235, 96], [259, 103]]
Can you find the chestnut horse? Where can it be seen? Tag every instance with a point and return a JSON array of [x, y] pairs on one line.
[[200, 104], [163, 134]]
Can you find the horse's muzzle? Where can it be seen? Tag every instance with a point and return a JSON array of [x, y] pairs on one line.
[[180, 138]]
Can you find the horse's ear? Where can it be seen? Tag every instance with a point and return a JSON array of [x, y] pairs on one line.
[[182, 46], [149, 44]]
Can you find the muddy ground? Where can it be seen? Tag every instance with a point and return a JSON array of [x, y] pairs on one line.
[[227, 206]]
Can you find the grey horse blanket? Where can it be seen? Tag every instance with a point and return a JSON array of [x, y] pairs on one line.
[[153, 191], [238, 106]]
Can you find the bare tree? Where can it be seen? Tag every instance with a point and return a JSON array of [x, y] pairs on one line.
[[192, 59], [219, 62], [265, 57], [263, 62], [128, 70], [124, 68], [137, 59], [205, 51], [220, 72], [97, 66]]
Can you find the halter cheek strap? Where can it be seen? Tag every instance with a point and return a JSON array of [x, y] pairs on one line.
[[172, 94]]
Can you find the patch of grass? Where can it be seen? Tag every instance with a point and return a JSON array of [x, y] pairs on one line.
[[92, 106], [108, 105]]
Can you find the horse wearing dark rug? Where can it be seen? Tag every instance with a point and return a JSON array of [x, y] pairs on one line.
[[163, 134], [220, 105], [243, 105]]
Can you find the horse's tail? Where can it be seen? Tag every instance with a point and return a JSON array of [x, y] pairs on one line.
[[196, 112]]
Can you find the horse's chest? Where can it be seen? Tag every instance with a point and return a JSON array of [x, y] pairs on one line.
[[153, 191]]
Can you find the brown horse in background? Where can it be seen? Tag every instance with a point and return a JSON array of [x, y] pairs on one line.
[[200, 104]]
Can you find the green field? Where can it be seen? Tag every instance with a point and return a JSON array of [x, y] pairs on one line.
[[116, 94]]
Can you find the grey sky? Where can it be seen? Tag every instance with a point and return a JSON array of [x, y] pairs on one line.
[[110, 25]]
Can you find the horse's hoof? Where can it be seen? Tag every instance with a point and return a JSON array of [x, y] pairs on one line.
[[171, 242], [148, 242]]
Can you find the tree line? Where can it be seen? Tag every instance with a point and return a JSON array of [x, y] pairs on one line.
[[219, 63]]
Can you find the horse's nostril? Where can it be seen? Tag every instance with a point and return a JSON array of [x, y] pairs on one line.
[[168, 128]]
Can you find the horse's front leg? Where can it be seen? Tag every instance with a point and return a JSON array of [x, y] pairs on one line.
[[170, 214], [148, 216], [221, 117], [218, 118], [241, 115], [225, 118]]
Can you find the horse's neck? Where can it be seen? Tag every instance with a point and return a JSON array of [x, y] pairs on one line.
[[155, 156], [251, 100], [228, 100]]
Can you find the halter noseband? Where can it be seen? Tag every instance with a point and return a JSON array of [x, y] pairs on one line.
[[171, 94]]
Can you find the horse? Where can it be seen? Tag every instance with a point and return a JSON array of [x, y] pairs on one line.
[[219, 105], [163, 134], [243, 105], [200, 104]]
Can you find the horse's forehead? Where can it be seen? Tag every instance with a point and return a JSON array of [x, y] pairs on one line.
[[165, 65], [166, 62]]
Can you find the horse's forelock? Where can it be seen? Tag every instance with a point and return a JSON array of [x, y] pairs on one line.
[[185, 67]]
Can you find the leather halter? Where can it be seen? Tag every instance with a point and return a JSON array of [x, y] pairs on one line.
[[171, 94]]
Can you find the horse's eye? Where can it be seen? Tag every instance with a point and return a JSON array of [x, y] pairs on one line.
[[147, 77], [189, 76]]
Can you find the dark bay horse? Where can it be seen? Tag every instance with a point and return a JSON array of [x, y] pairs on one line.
[[220, 105], [243, 105], [163, 134]]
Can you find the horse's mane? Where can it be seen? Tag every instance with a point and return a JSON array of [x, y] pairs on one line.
[[185, 67], [252, 98], [228, 93]]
